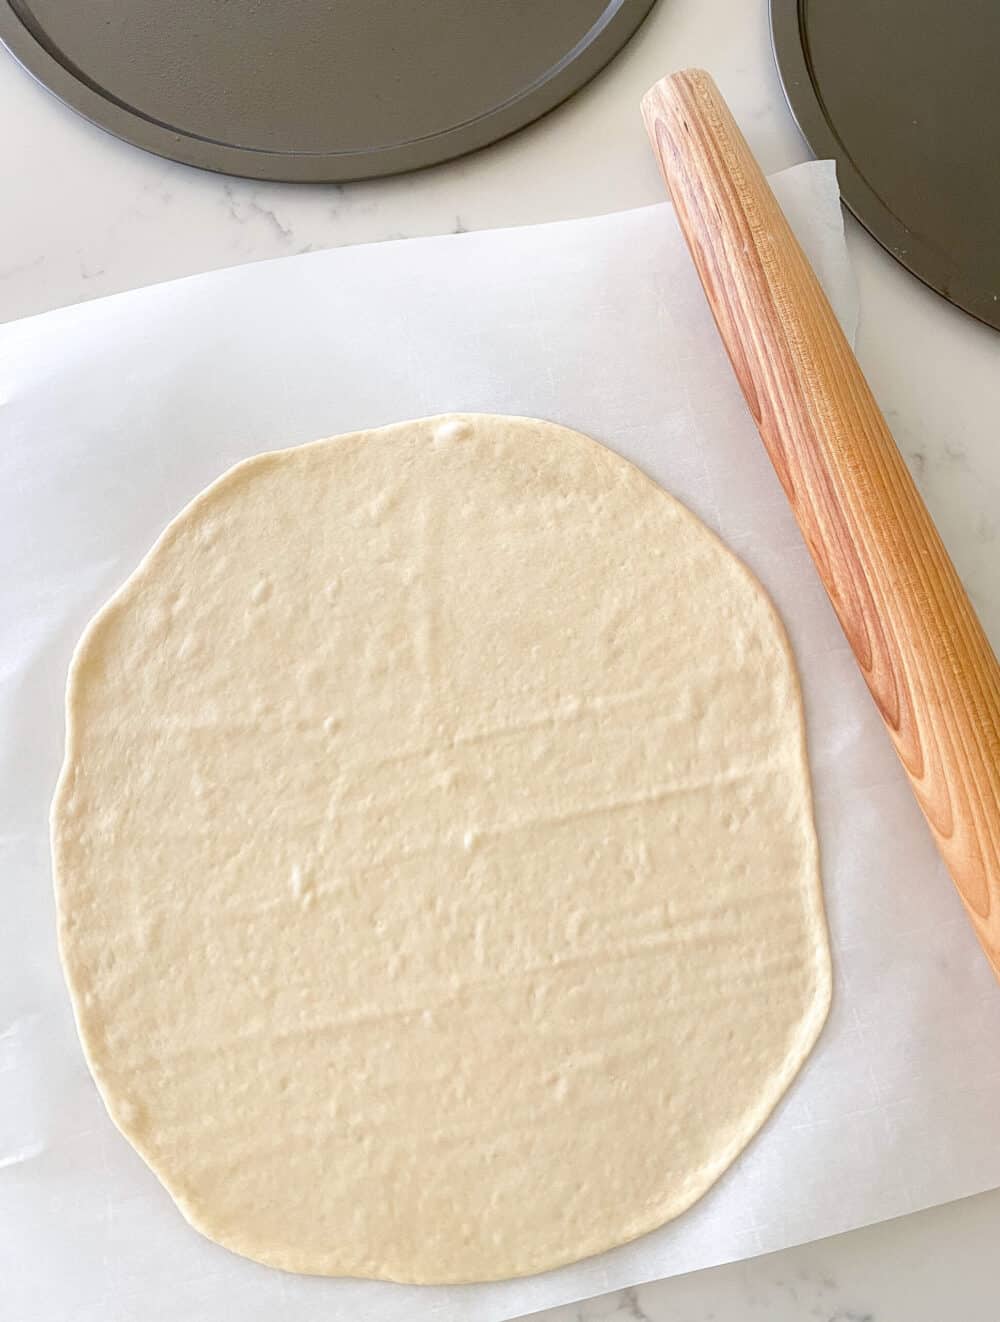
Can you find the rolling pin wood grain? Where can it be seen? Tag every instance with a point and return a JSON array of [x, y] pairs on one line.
[[923, 652]]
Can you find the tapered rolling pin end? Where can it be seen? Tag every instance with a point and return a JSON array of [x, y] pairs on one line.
[[922, 651]]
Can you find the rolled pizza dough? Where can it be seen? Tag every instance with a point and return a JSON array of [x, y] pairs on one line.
[[437, 881]]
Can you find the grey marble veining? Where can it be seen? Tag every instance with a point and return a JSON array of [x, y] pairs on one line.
[[84, 215], [93, 216], [934, 1266]]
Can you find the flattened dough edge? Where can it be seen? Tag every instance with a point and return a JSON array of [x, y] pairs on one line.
[[437, 881]]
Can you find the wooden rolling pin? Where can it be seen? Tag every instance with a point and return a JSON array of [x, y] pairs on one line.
[[921, 649]]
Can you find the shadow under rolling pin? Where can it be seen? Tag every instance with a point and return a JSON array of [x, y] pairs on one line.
[[910, 624]]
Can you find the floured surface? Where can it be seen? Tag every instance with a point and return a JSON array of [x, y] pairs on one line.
[[436, 871]]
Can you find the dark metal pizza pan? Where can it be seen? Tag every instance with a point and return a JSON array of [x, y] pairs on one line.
[[905, 95], [320, 90]]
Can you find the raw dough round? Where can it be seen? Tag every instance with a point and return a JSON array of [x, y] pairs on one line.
[[437, 880]]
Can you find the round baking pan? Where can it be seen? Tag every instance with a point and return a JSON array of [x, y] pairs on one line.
[[905, 95], [300, 90]]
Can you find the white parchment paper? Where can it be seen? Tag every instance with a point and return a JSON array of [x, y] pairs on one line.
[[113, 414]]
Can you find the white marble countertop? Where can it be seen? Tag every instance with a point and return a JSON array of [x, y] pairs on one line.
[[84, 215]]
